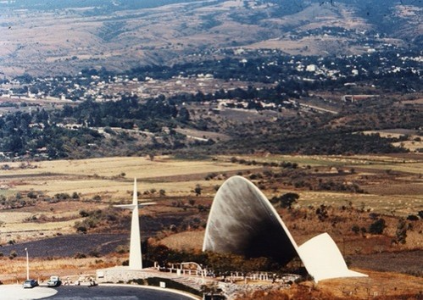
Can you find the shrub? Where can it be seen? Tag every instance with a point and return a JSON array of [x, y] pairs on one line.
[[401, 233], [62, 196], [32, 195], [377, 227], [122, 249], [80, 255], [355, 229], [94, 253], [13, 254], [81, 229], [108, 130], [83, 213], [413, 218], [322, 212], [138, 281], [197, 190]]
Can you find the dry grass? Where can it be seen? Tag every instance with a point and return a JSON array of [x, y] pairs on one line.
[[400, 196], [104, 176], [92, 177], [377, 284], [398, 204], [37, 227], [408, 167], [14, 271], [189, 240], [337, 160], [138, 167], [61, 218], [411, 144]]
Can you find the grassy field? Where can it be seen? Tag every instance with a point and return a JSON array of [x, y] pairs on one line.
[[15, 271], [337, 160], [139, 167], [109, 178], [393, 187], [113, 176], [112, 179]]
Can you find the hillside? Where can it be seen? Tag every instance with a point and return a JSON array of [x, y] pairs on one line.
[[42, 38]]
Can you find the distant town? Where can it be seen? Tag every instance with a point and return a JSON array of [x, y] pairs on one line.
[[393, 70], [279, 86]]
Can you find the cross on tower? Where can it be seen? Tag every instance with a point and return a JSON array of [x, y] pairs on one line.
[[135, 255]]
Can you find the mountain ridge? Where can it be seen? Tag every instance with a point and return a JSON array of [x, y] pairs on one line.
[[43, 40]]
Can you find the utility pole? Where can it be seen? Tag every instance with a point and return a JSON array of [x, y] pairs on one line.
[[27, 264]]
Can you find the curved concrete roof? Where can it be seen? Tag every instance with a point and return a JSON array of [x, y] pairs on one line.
[[242, 221], [323, 260]]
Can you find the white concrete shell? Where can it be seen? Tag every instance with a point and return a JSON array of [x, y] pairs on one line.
[[242, 221], [323, 260]]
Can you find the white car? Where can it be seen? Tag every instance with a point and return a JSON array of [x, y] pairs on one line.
[[54, 281]]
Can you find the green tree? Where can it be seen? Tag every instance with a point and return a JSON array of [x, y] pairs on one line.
[[355, 229], [288, 199], [377, 227], [197, 190]]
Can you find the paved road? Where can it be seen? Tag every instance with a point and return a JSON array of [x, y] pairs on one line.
[[113, 293], [93, 293]]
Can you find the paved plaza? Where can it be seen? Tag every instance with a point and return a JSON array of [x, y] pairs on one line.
[[17, 292], [84, 292]]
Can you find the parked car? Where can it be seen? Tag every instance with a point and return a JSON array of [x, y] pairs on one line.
[[54, 281], [30, 283]]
